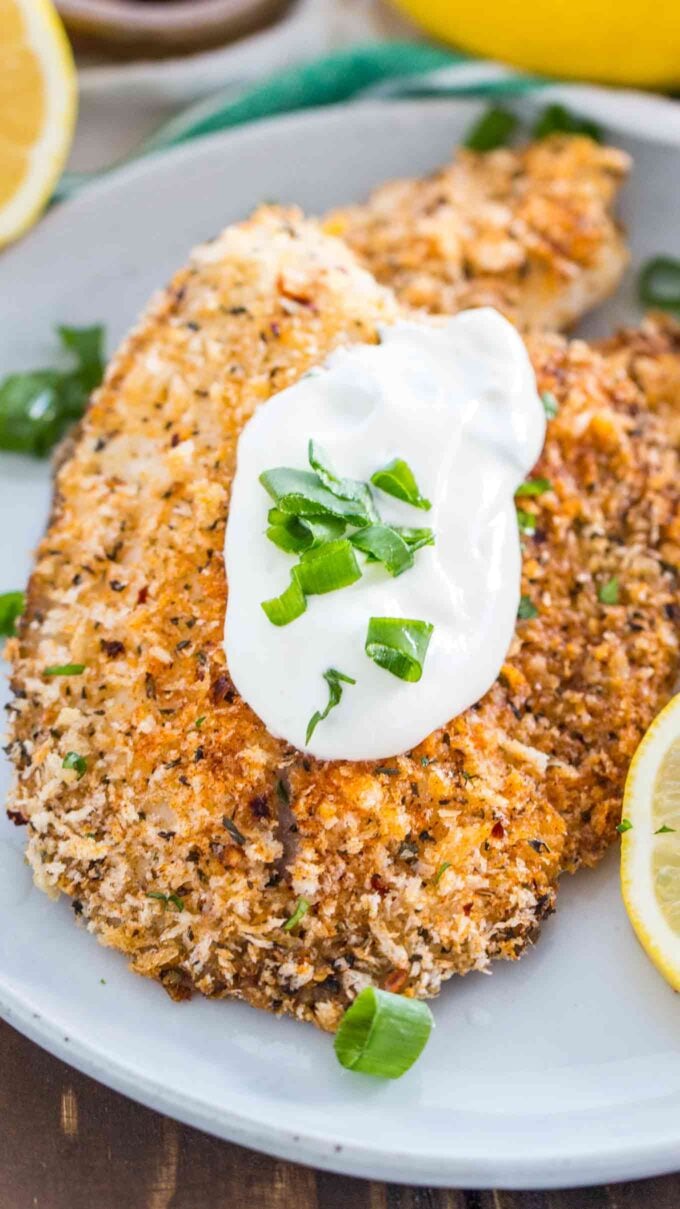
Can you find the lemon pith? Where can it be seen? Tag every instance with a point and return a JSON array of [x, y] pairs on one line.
[[650, 849], [37, 110]]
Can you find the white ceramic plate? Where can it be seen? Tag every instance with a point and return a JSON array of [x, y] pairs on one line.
[[563, 1069]]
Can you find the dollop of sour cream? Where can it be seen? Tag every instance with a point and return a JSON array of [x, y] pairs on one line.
[[458, 402]]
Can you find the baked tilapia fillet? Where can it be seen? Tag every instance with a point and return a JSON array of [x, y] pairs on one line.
[[529, 231], [193, 832]]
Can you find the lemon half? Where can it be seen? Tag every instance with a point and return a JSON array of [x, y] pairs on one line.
[[650, 848], [37, 110]]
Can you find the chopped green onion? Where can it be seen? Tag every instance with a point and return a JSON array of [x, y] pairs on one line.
[[416, 539], [557, 119], [37, 407], [76, 762], [300, 493], [399, 645], [441, 871], [493, 129], [527, 609], [659, 283], [623, 826], [550, 404], [608, 594], [64, 669], [199, 722], [335, 681], [345, 489], [526, 521], [385, 545], [397, 479], [301, 909], [12, 605], [664, 830], [383, 1034], [534, 487], [167, 898], [327, 568], [283, 609], [295, 534]]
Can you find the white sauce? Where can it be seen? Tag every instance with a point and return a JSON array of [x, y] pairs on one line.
[[458, 402]]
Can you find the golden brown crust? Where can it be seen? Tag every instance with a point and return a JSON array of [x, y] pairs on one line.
[[434, 862], [529, 231]]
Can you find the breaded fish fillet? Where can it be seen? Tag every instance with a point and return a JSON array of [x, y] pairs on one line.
[[528, 231], [191, 835]]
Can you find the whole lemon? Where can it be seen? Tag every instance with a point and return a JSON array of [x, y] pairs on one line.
[[616, 43]]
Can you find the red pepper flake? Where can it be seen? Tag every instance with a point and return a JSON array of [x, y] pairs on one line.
[[497, 831], [396, 981], [378, 884], [143, 594], [175, 440], [16, 817], [467, 909]]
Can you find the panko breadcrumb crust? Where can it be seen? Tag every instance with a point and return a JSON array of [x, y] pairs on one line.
[[529, 231], [429, 864]]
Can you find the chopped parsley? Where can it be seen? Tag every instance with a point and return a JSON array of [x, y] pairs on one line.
[[75, 762], [64, 669], [167, 898], [608, 593], [301, 909], [527, 609]]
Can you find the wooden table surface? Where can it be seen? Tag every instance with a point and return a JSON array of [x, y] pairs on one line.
[[66, 1142]]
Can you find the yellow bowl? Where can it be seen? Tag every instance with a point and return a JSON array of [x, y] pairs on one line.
[[620, 43]]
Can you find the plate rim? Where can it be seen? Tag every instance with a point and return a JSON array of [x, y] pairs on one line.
[[575, 1167]]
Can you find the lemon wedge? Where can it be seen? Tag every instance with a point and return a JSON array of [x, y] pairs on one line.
[[650, 846], [37, 110]]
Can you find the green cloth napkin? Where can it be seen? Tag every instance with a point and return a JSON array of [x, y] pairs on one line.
[[378, 69]]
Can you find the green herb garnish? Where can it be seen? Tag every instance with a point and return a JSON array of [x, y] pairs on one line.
[[526, 521], [199, 722], [534, 487], [335, 681], [345, 489], [283, 609], [527, 609], [659, 283], [76, 762], [236, 835], [167, 898], [383, 1034], [664, 830], [64, 669], [301, 909], [494, 129], [384, 545], [327, 568], [301, 493], [608, 594], [397, 479], [557, 119], [399, 645], [440, 872], [12, 605], [550, 404], [623, 826], [37, 407]]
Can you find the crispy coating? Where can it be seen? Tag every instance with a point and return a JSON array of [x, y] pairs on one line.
[[528, 231], [430, 864]]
